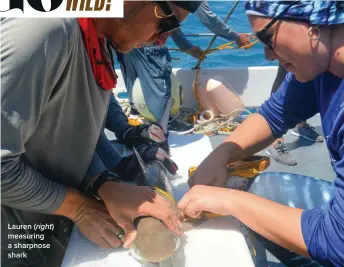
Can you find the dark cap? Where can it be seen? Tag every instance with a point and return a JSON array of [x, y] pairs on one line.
[[190, 5]]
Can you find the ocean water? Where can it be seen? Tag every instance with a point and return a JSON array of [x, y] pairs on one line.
[[224, 58]]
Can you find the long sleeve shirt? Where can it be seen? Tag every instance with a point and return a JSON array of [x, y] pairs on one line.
[[52, 112], [209, 19], [323, 230]]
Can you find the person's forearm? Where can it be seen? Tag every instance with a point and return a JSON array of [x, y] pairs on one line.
[[280, 224], [253, 135], [116, 120], [180, 40], [214, 23], [24, 188], [73, 206]]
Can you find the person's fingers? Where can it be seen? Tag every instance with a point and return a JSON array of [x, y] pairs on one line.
[[156, 133], [162, 156], [170, 220], [177, 223], [130, 233], [171, 166], [163, 211], [174, 218], [193, 209], [113, 239], [182, 204], [111, 234], [174, 165], [100, 241], [195, 214]]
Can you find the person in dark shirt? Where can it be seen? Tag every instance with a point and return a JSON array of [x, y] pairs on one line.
[[56, 84], [299, 219]]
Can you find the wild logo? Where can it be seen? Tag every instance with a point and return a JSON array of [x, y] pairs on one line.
[[61, 8]]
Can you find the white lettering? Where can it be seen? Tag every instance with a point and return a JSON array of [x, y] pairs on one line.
[[67, 9]]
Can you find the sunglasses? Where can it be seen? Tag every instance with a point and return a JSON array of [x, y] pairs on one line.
[[266, 38], [169, 22]]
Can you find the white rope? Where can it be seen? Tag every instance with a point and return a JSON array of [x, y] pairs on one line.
[[206, 116], [126, 107], [214, 125]]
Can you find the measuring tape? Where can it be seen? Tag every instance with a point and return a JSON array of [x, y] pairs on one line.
[[246, 168]]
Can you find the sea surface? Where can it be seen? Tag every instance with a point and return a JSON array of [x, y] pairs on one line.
[[225, 58]]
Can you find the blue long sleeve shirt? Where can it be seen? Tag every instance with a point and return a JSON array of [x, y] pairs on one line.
[[209, 19], [105, 157], [323, 230]]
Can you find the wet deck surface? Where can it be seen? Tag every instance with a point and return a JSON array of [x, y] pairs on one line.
[[312, 160]]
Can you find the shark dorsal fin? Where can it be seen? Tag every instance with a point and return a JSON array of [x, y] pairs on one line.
[[143, 166]]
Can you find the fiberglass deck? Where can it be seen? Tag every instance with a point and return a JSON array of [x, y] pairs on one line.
[[220, 239]]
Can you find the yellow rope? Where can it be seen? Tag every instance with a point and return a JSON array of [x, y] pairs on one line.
[[164, 193], [134, 122]]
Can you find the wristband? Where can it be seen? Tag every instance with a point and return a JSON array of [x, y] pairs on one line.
[[102, 179]]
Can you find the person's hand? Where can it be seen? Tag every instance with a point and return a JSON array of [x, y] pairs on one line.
[[126, 202], [243, 39], [144, 134], [91, 217], [202, 198], [154, 152], [212, 171], [196, 52], [96, 224], [129, 167]]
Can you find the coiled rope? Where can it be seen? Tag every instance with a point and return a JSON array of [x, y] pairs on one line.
[[207, 123]]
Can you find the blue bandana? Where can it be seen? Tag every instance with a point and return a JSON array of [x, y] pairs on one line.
[[313, 12]]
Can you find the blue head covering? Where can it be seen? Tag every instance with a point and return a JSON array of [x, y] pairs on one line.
[[313, 12]]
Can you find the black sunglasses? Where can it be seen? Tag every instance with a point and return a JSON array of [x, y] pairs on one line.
[[168, 23], [266, 38]]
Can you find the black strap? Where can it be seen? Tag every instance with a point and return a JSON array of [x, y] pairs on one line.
[[104, 177]]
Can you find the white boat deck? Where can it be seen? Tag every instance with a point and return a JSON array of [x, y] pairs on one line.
[[218, 242]]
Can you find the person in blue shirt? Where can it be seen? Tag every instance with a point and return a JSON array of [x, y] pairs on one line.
[[153, 66], [279, 151], [299, 219]]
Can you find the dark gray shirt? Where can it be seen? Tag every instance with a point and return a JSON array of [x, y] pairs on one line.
[[52, 111]]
